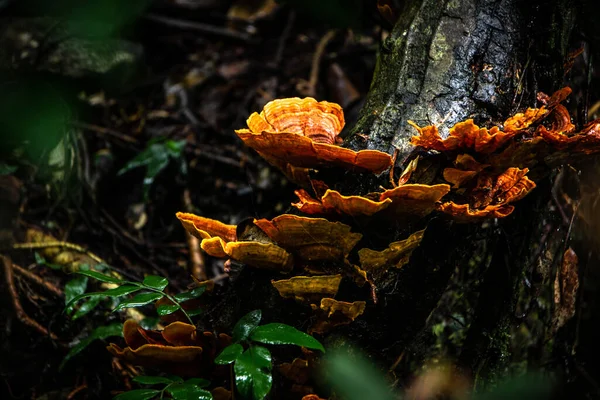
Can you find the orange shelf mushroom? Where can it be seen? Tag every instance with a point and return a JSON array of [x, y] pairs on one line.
[[179, 348], [220, 240], [395, 256], [308, 288], [332, 313], [491, 196], [304, 133], [468, 136], [205, 228], [312, 239], [409, 200]]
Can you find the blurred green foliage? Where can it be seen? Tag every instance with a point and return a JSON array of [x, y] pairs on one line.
[[155, 158]]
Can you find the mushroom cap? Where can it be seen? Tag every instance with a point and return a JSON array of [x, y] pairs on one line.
[[332, 313], [301, 151], [310, 238], [396, 255], [304, 133], [334, 202], [463, 135], [179, 348], [491, 196], [407, 200], [308, 288], [320, 121], [256, 254], [204, 228]]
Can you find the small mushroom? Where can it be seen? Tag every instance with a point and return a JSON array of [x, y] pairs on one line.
[[332, 313], [491, 196], [179, 348], [396, 255]]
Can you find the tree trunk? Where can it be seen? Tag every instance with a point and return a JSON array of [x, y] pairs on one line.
[[479, 294]]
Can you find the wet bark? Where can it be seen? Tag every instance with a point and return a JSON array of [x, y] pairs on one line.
[[480, 295]]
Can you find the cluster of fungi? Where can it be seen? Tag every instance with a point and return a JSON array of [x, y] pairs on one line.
[[485, 173]]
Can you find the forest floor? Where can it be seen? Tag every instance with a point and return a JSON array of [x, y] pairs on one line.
[[190, 85], [118, 123]]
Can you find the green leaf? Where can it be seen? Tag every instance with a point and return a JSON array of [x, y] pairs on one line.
[[246, 325], [198, 382], [138, 394], [100, 277], [155, 282], [193, 313], [75, 287], [192, 294], [152, 380], [253, 373], [116, 292], [101, 332], [167, 309], [185, 391], [121, 290], [155, 158], [277, 333], [139, 300], [86, 307], [229, 354]]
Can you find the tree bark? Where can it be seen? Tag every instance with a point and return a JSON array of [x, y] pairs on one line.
[[478, 294]]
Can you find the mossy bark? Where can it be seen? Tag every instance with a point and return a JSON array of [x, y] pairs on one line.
[[480, 295]]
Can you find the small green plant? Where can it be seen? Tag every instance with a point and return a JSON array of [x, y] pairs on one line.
[[152, 288], [155, 158], [252, 367], [174, 386]]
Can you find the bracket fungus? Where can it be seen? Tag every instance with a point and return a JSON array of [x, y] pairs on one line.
[[308, 288], [332, 313], [220, 240], [396, 255], [312, 239], [179, 348], [410, 200], [304, 133], [491, 196], [486, 166]]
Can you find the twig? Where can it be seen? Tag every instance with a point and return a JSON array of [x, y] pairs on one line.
[[310, 89], [394, 156], [75, 391], [65, 245], [34, 278], [106, 131], [21, 315], [200, 27], [197, 151], [198, 266]]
